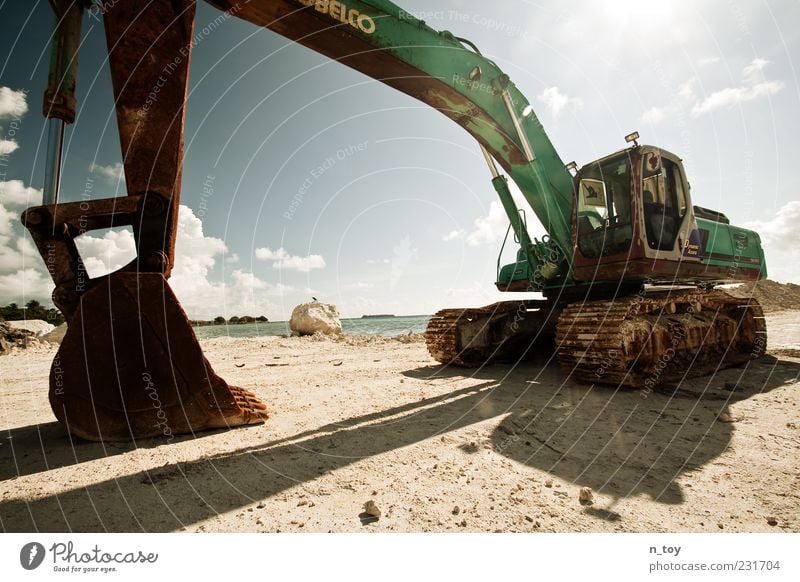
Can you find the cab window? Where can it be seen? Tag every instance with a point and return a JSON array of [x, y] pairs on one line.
[[663, 200], [604, 208]]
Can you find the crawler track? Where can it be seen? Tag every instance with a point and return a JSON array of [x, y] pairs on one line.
[[645, 340], [640, 340]]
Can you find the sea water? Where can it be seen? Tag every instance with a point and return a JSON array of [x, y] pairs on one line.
[[388, 326]]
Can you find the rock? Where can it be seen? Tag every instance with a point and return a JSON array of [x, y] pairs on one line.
[[371, 509], [548, 483], [315, 317], [729, 418], [585, 496], [39, 327], [55, 336], [772, 521], [456, 510], [11, 337]]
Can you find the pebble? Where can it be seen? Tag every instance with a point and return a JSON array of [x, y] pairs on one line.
[[585, 496], [371, 509], [548, 483], [772, 521], [456, 510]]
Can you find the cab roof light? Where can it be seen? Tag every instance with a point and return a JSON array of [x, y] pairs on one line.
[[632, 138]]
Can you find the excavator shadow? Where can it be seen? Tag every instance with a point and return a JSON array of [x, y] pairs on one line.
[[625, 442], [620, 443]]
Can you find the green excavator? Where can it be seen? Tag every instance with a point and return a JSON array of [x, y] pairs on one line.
[[627, 270]]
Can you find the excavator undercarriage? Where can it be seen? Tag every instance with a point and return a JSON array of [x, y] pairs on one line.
[[641, 340]]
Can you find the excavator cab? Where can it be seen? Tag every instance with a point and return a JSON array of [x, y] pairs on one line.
[[633, 220]]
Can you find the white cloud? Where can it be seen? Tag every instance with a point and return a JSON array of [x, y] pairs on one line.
[[453, 235], [753, 71], [8, 146], [779, 236], [12, 103], [731, 96], [556, 101], [283, 260], [112, 173], [754, 86], [686, 90], [707, 61], [242, 293], [490, 228], [107, 253], [15, 251], [15, 193], [25, 284], [22, 274], [655, 115]]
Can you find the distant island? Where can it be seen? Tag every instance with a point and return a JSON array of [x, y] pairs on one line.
[[378, 315], [235, 320]]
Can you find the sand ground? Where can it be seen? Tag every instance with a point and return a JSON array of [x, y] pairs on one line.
[[503, 448]]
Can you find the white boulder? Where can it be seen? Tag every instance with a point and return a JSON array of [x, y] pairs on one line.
[[315, 317], [38, 327]]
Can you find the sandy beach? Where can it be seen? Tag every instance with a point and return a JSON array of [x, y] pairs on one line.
[[503, 448]]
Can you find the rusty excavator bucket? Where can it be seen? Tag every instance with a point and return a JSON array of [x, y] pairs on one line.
[[130, 365]]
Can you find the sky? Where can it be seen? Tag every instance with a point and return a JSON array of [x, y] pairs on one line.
[[304, 178]]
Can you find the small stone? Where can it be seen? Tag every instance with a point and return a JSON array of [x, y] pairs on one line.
[[261, 505], [548, 483], [728, 418], [529, 518], [720, 526], [585, 496], [302, 502], [463, 523], [456, 510], [371, 509], [773, 521]]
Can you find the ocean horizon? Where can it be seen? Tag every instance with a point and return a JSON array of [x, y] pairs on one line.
[[385, 326]]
